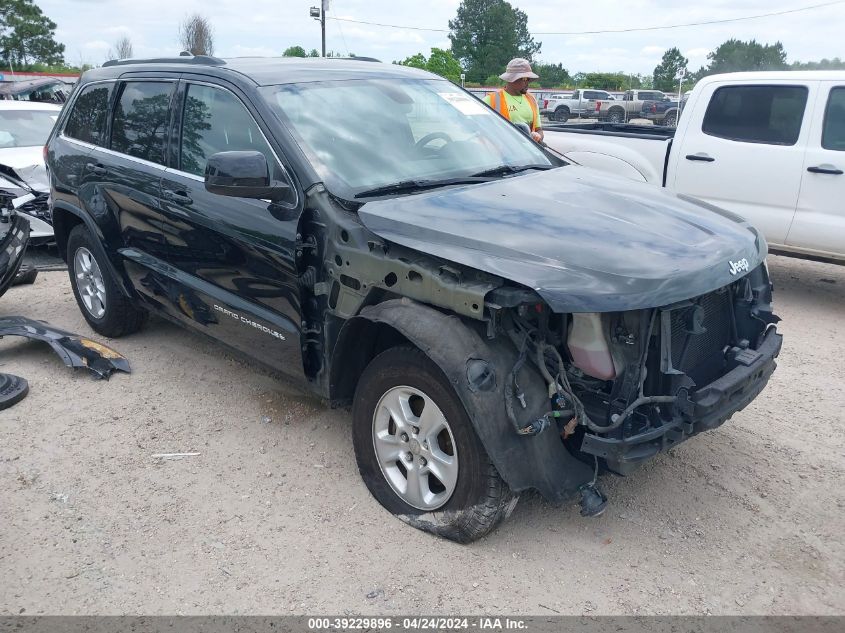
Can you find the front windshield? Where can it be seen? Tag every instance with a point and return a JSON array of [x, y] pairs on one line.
[[25, 128], [368, 133]]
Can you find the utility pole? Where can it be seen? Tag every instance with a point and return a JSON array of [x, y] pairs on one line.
[[323, 24], [319, 13]]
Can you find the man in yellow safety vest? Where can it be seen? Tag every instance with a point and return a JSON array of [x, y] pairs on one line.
[[513, 101]]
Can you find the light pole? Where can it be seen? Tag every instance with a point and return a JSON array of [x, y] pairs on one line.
[[319, 13], [680, 79]]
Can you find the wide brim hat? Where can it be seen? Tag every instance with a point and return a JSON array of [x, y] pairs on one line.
[[517, 69]]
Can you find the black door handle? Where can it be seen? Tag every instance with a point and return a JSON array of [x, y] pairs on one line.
[[97, 169], [824, 169], [701, 156], [178, 196]]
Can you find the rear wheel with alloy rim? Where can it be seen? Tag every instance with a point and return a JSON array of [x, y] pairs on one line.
[[418, 452], [616, 116], [670, 119], [561, 115], [106, 308]]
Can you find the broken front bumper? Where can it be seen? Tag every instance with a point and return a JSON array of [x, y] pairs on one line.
[[704, 409], [74, 350]]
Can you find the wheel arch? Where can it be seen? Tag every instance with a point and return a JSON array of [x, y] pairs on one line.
[[539, 462], [65, 219]]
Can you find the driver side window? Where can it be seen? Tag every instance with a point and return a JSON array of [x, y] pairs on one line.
[[214, 120]]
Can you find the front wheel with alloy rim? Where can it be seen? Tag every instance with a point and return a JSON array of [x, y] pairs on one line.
[[418, 452], [106, 308]]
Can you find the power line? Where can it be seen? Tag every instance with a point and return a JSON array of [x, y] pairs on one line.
[[630, 30]]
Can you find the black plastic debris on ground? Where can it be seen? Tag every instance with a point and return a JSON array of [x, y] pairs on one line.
[[13, 389], [74, 350]]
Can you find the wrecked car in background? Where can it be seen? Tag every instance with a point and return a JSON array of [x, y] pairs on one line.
[[498, 319], [42, 90], [24, 128], [74, 350]]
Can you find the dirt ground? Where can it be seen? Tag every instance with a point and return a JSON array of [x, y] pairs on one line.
[[272, 518]]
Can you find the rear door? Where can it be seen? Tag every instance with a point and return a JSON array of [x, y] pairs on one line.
[[744, 151], [819, 222], [85, 128], [232, 267], [120, 183]]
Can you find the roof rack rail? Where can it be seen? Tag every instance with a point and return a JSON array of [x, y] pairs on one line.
[[184, 58], [362, 59]]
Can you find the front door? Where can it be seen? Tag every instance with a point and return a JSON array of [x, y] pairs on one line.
[[748, 153], [819, 223], [232, 259]]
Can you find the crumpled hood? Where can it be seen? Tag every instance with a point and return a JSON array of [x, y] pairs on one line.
[[27, 163], [585, 241]]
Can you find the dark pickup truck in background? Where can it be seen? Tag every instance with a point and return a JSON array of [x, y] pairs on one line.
[[664, 112]]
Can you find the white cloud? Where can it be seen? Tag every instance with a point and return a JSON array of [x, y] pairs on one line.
[[96, 45], [405, 36], [253, 51], [270, 25], [697, 52], [117, 30]]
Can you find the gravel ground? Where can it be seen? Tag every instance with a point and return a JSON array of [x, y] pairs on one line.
[[272, 518]]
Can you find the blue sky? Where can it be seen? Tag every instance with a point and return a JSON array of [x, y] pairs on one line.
[[89, 28]]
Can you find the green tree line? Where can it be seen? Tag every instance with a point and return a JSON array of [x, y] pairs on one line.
[[484, 36]]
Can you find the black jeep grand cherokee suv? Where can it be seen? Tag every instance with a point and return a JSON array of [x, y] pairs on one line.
[[499, 319]]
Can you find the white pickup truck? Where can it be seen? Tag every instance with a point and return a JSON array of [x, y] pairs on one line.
[[769, 146], [581, 103]]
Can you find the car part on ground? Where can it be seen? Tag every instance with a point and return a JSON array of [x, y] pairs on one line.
[[27, 274], [73, 349], [13, 245], [13, 389]]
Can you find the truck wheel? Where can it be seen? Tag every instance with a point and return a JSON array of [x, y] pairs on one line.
[[418, 453], [616, 116], [561, 115], [670, 119], [108, 311]]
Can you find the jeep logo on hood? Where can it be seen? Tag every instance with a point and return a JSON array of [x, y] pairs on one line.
[[741, 265]]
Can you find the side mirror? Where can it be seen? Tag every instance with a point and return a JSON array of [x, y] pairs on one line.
[[243, 174]]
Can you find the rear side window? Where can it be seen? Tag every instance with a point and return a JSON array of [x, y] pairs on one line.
[[756, 114], [833, 135], [141, 118], [592, 94], [87, 120]]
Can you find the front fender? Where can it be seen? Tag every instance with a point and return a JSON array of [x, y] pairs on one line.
[[524, 462]]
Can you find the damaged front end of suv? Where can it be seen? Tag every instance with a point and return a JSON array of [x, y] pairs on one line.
[[613, 333]]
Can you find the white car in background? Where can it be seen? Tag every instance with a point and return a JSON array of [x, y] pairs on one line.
[[24, 128]]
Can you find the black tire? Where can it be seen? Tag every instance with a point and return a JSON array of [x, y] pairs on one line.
[[671, 119], [561, 115], [480, 500], [616, 116], [120, 315]]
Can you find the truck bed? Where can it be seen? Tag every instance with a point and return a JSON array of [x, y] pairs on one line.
[[615, 129], [638, 152]]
